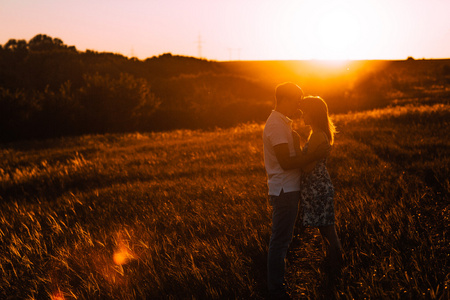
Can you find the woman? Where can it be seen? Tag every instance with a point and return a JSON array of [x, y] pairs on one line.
[[317, 190]]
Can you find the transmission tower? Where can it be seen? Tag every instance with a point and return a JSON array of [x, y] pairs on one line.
[[199, 46]]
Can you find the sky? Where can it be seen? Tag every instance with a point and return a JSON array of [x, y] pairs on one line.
[[238, 29]]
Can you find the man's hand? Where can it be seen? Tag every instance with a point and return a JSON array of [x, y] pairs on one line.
[[288, 162], [296, 138]]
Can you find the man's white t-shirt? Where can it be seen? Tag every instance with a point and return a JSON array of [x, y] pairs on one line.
[[278, 130]]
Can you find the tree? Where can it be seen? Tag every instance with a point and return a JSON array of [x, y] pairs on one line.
[[15, 45], [42, 42], [116, 104]]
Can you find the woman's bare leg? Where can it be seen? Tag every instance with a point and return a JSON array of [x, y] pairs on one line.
[[333, 245]]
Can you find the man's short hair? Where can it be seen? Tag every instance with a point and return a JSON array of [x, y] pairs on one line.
[[287, 90]]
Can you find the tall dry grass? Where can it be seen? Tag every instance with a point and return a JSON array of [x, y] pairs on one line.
[[390, 168], [184, 214]]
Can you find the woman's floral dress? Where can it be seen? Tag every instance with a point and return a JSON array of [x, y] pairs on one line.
[[317, 194]]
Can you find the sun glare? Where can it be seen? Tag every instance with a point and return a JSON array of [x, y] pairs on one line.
[[330, 30], [337, 33]]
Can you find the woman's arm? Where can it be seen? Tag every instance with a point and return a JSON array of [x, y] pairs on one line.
[[288, 162], [315, 140]]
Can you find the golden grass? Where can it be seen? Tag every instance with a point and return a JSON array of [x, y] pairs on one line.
[[184, 214]]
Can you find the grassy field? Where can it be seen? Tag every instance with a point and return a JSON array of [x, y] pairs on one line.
[[184, 214]]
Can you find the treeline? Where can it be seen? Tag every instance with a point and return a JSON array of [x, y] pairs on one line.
[[49, 89]]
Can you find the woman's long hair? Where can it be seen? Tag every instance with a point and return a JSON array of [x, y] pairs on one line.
[[318, 110]]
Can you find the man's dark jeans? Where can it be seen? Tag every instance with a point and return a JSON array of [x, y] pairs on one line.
[[284, 215]]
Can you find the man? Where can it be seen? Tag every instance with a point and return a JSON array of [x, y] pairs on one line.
[[283, 169]]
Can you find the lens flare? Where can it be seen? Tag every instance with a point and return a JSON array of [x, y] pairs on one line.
[[58, 295], [123, 255]]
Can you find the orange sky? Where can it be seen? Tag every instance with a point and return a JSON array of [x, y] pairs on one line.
[[238, 29]]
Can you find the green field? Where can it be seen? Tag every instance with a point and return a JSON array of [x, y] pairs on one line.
[[184, 214]]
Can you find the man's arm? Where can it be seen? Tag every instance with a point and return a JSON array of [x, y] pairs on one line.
[[288, 162]]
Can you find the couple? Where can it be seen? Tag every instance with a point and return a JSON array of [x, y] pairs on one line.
[[297, 176]]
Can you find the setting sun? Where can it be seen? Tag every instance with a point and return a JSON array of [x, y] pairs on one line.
[[338, 32], [333, 31]]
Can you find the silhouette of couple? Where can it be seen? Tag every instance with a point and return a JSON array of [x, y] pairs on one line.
[[298, 178]]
